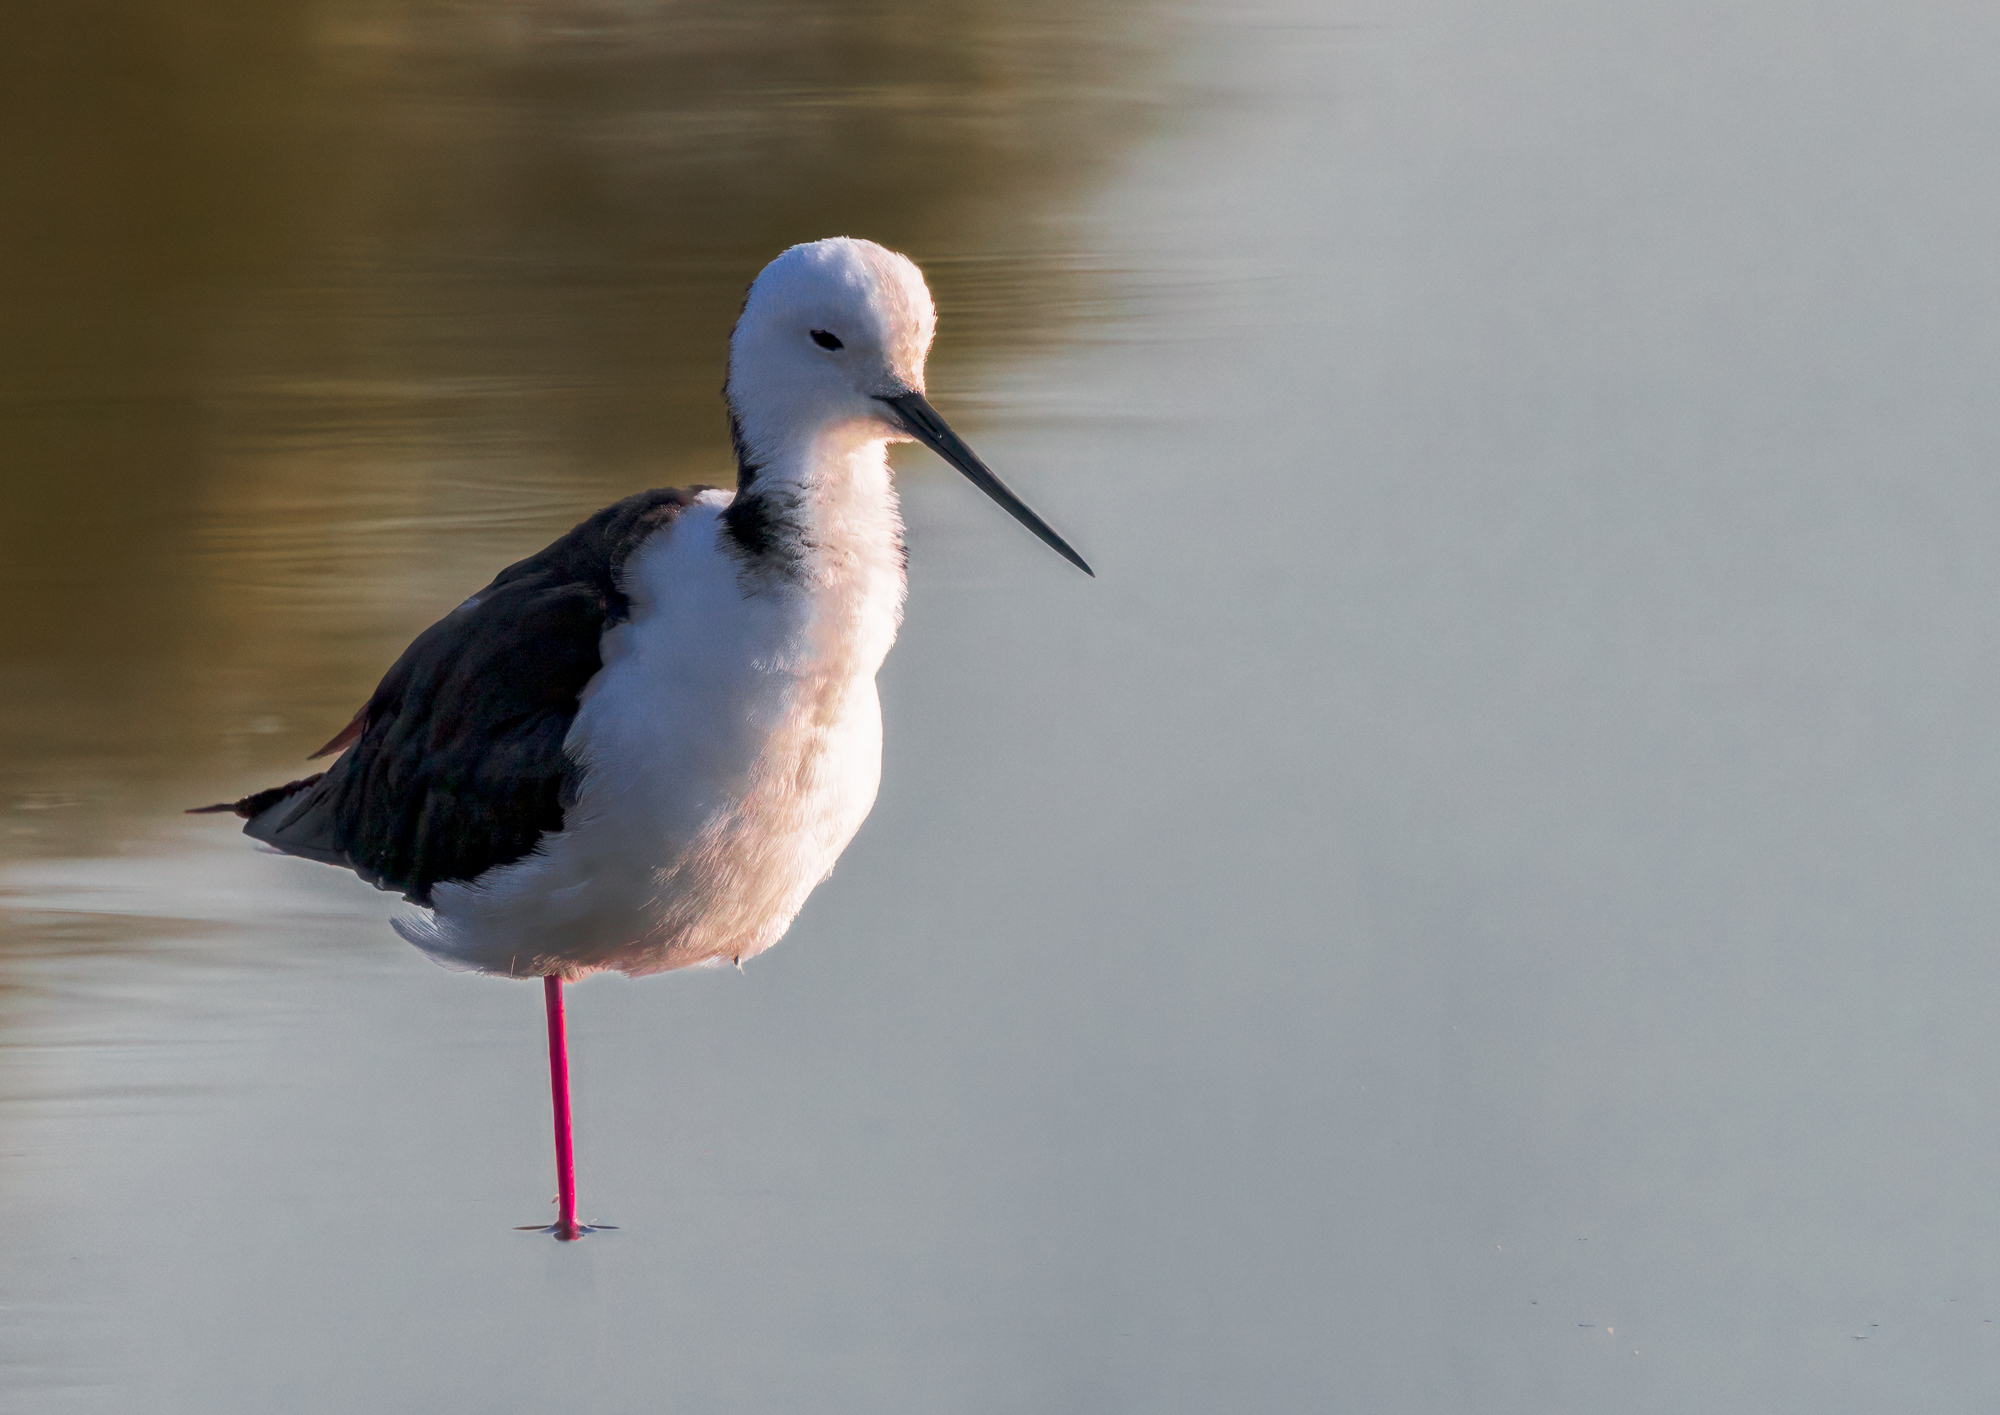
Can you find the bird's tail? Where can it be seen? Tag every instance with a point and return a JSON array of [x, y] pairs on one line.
[[259, 802]]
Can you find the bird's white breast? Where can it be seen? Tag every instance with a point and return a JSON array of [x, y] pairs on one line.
[[731, 746]]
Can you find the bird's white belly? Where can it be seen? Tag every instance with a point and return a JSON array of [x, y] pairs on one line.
[[731, 746]]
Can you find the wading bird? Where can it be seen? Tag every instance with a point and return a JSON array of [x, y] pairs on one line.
[[641, 748]]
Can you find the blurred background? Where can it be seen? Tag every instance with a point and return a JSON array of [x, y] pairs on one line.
[[314, 310], [1486, 903]]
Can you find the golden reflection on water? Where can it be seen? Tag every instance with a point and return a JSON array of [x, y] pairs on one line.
[[318, 313]]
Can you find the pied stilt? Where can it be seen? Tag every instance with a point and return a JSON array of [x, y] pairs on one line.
[[641, 748]]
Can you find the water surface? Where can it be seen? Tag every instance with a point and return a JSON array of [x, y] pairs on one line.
[[1485, 904]]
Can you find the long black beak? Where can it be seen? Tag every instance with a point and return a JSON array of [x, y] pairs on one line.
[[920, 420]]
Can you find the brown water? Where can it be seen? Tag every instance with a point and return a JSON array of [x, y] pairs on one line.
[[1486, 904]]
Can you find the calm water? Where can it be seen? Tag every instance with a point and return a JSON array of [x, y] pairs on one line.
[[1487, 904]]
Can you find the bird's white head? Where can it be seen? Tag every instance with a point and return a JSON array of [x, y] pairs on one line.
[[831, 346], [829, 330]]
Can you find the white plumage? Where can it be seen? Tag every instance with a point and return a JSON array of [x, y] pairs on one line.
[[642, 748], [732, 743]]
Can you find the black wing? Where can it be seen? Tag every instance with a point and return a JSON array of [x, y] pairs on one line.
[[456, 765]]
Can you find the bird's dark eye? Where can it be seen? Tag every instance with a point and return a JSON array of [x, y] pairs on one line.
[[825, 340]]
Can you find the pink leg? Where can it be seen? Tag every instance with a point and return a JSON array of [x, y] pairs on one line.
[[566, 1227]]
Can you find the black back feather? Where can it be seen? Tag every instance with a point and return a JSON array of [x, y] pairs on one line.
[[460, 766]]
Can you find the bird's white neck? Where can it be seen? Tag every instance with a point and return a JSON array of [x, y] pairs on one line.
[[816, 511]]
